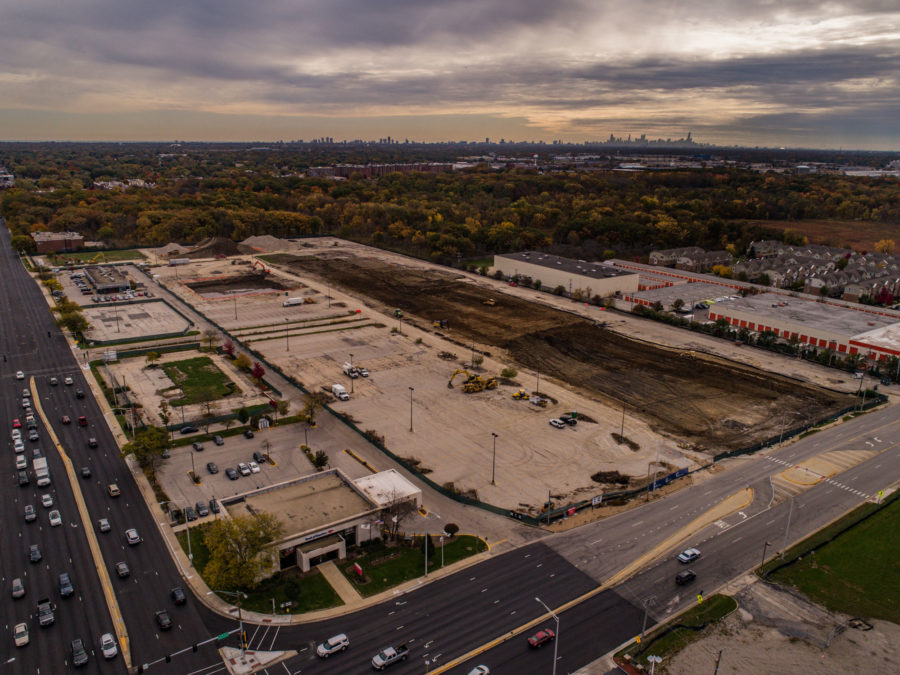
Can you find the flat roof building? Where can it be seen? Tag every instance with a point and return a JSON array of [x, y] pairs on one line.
[[107, 279], [591, 278], [54, 242]]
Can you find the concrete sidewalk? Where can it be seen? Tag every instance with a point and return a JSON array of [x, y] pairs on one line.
[[339, 583]]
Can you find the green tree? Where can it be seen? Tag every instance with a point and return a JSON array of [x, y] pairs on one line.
[[320, 459], [678, 304], [240, 550], [509, 372], [147, 447], [312, 403], [22, 242], [243, 415], [152, 358], [241, 362]]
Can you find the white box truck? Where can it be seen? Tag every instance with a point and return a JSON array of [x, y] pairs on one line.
[[350, 371], [290, 302], [339, 392], [41, 472]]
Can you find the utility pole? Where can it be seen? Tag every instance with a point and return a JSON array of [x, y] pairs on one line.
[[411, 390], [494, 460]]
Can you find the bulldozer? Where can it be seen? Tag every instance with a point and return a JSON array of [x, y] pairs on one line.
[[441, 323], [473, 383], [521, 395]]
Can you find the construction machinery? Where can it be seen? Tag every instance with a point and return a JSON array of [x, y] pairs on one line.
[[441, 323], [490, 302], [473, 383], [97, 258], [521, 395]]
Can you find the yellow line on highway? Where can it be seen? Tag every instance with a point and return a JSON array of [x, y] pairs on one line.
[[729, 505], [111, 602]]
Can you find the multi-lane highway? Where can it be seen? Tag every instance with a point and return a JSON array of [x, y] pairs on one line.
[[439, 621]]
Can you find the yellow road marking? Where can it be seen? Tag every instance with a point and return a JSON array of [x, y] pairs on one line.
[[111, 602]]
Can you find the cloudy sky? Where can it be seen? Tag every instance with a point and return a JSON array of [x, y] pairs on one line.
[[774, 73]]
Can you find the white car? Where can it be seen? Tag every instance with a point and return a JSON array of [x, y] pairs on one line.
[[20, 633], [20, 375], [19, 445], [689, 556], [16, 434], [480, 670], [244, 469], [133, 537], [108, 646], [46, 500], [254, 467], [558, 423], [69, 380], [21, 462], [338, 643], [55, 518]]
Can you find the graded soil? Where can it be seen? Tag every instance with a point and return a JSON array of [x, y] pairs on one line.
[[706, 403]]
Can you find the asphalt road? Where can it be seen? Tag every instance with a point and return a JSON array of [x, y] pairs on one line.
[[439, 621]]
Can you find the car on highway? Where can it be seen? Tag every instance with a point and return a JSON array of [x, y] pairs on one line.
[[480, 670], [55, 518], [79, 653], [15, 433], [254, 467], [65, 419], [214, 506], [26, 403], [23, 479], [212, 468], [188, 429], [82, 421], [103, 525], [541, 638], [108, 646], [18, 445], [198, 447], [113, 490], [248, 433], [18, 588], [20, 634], [178, 596], [132, 537], [231, 473], [21, 462], [53, 381], [85, 472], [20, 375], [30, 513], [244, 469], [46, 500], [34, 553], [336, 643], [202, 509], [688, 556], [122, 569], [16, 424], [163, 620], [69, 381], [218, 440], [33, 435], [558, 423], [685, 577], [66, 589], [79, 393], [92, 442]]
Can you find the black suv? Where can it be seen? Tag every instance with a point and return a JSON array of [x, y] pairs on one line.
[[65, 585], [248, 433], [178, 596], [163, 620], [685, 577], [259, 458]]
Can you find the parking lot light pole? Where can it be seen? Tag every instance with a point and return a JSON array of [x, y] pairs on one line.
[[494, 459], [556, 639], [351, 374], [411, 390], [765, 546], [287, 343]]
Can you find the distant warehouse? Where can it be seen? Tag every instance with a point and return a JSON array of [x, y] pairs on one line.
[[591, 278], [53, 242]]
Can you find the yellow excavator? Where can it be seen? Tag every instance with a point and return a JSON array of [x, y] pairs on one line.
[[98, 258], [473, 383], [521, 395]]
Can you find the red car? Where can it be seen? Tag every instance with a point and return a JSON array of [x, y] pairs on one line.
[[17, 424], [82, 421], [66, 419], [540, 638]]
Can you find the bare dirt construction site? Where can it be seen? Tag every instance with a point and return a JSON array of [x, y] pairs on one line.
[[705, 403]]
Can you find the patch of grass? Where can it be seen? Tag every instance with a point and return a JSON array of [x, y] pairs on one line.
[[857, 573], [305, 591], [200, 380], [198, 546], [666, 643], [387, 566], [86, 256]]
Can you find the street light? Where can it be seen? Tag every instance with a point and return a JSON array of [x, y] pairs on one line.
[[494, 459], [240, 596], [556, 640], [411, 390], [287, 344], [351, 374], [765, 546]]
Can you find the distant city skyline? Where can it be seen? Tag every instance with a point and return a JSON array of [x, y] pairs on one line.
[[795, 73]]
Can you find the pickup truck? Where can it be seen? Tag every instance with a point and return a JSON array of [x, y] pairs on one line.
[[389, 656], [45, 612]]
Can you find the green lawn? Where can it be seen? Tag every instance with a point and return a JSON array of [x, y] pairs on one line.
[[666, 643], [386, 566], [200, 380], [858, 573], [198, 547], [86, 256]]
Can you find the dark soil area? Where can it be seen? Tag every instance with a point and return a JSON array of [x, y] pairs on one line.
[[263, 282], [711, 404]]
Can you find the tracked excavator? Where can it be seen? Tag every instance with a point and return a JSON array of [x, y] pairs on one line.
[[473, 383]]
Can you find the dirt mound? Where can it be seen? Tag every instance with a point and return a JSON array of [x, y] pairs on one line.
[[211, 247], [170, 250], [265, 243], [685, 398]]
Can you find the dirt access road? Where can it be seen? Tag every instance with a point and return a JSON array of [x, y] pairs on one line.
[[706, 404]]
